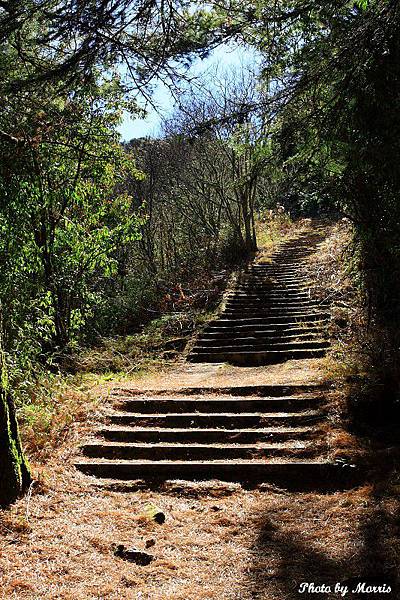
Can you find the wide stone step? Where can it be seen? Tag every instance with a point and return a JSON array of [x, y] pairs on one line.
[[273, 279], [208, 435], [193, 452], [225, 420], [254, 358], [282, 287], [267, 321], [262, 310], [271, 275], [269, 281], [277, 271], [274, 308], [269, 300], [255, 334], [275, 268], [272, 341], [270, 305], [271, 317], [276, 265], [291, 471], [243, 347], [162, 405], [276, 295], [262, 390], [276, 290]]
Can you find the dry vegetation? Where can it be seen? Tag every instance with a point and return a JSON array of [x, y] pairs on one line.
[[219, 541], [332, 272]]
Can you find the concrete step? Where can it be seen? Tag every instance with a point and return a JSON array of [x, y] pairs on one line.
[[276, 295], [291, 471], [275, 269], [276, 265], [271, 278], [163, 405], [246, 333], [254, 358], [282, 287], [208, 435], [271, 305], [262, 390], [271, 317], [274, 309], [267, 321], [243, 347], [257, 341], [225, 420], [268, 300], [193, 452]]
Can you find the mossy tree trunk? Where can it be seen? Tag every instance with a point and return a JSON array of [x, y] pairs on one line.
[[14, 471]]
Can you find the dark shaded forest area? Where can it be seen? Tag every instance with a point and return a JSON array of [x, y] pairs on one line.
[[99, 237]]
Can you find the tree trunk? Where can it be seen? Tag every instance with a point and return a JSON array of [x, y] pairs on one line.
[[250, 241], [14, 471]]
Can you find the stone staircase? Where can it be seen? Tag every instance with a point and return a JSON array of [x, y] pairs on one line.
[[260, 433], [269, 316], [240, 433]]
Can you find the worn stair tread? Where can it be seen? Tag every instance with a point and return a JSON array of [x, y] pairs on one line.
[[258, 414], [239, 312], [215, 400], [223, 420], [233, 461], [208, 435], [263, 327], [279, 301], [290, 471], [190, 451], [267, 296], [242, 390], [309, 345], [257, 353], [271, 318], [292, 444], [287, 307], [266, 430], [256, 333], [217, 406], [261, 339]]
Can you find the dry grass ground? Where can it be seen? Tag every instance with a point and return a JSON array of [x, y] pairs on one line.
[[219, 541]]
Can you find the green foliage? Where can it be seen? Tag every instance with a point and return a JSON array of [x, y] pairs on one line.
[[363, 4], [63, 220]]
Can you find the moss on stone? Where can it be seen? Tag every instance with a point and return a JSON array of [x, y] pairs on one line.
[[14, 470]]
